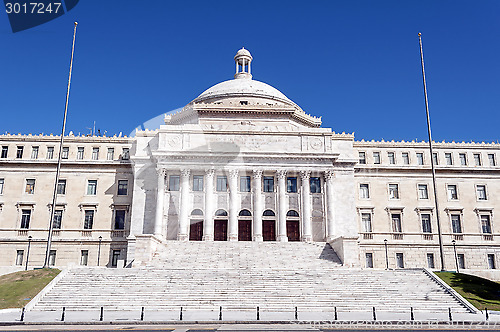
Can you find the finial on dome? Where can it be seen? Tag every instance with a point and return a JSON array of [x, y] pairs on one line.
[[243, 58]]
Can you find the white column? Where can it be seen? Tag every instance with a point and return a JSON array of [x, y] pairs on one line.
[[233, 205], [257, 205], [282, 206], [184, 208], [330, 216], [208, 224], [306, 206], [160, 192]]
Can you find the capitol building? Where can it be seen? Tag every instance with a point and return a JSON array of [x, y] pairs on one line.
[[243, 162]]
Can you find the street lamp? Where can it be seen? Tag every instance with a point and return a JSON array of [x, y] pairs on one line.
[[386, 255], [99, 251], [456, 257], [28, 252]]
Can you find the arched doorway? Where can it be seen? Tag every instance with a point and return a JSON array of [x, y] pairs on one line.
[[245, 226], [220, 225], [196, 225], [292, 226], [269, 225]]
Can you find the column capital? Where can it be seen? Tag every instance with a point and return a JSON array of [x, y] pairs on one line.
[[185, 172], [281, 173], [233, 173], [161, 171], [305, 175], [329, 175], [257, 173], [210, 172]]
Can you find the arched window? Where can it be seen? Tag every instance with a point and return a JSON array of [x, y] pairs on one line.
[[221, 213], [197, 212], [292, 213], [268, 213], [245, 213]]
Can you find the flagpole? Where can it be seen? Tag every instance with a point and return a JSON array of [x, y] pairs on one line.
[[58, 170], [440, 237]]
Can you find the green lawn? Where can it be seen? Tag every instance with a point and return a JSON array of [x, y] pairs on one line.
[[17, 289], [480, 292]]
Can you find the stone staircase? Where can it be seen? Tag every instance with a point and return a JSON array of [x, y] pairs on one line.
[[244, 275]]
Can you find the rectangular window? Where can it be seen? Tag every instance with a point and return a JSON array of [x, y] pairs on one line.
[[122, 187], [197, 182], [481, 192], [400, 260], [120, 219], [364, 191], [268, 184], [485, 224], [1, 186], [291, 184], [65, 152], [422, 191], [406, 158], [461, 261], [435, 158], [448, 158], [393, 191], [430, 261], [50, 152], [392, 158], [111, 154], [477, 159], [84, 260], [25, 218], [315, 185], [369, 260], [376, 157], [19, 257], [174, 182], [89, 219], [115, 258], [420, 158], [20, 150], [30, 186], [245, 184], [456, 223], [396, 222], [366, 218], [95, 153], [61, 187], [5, 151], [34, 152], [426, 223], [92, 187], [52, 258], [221, 183], [452, 192], [463, 159], [126, 154], [80, 153], [491, 158], [56, 224], [491, 261], [362, 158]]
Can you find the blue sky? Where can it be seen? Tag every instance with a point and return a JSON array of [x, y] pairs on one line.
[[355, 63]]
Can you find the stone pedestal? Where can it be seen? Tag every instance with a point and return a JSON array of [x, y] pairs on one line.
[[347, 249]]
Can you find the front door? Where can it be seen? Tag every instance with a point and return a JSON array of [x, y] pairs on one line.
[[269, 230], [244, 230], [196, 230], [292, 230], [220, 230]]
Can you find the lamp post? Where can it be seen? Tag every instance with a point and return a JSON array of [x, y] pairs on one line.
[[99, 251], [28, 252], [456, 257], [386, 255]]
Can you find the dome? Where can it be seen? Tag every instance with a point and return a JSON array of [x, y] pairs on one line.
[[243, 51]]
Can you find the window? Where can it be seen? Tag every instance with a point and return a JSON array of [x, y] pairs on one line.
[[196, 212], [393, 191], [268, 184], [291, 184], [246, 213], [362, 158], [1, 186], [376, 157], [122, 187], [115, 258], [80, 153], [420, 158], [448, 158], [435, 159], [50, 152], [19, 257], [315, 185], [56, 223], [477, 159], [292, 213], [461, 261], [268, 213], [221, 183], [422, 191], [34, 152], [245, 184], [25, 218], [366, 218], [61, 187], [456, 223], [30, 186], [65, 152], [491, 261], [95, 153], [89, 219], [364, 191], [463, 159], [84, 259], [5, 151], [19, 153], [92, 187], [221, 213], [369, 260], [426, 222], [126, 154], [52, 258], [392, 158], [111, 154], [430, 261], [406, 158], [174, 182], [452, 192], [197, 182], [120, 219], [485, 224], [491, 158], [400, 260], [396, 222], [481, 192]]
